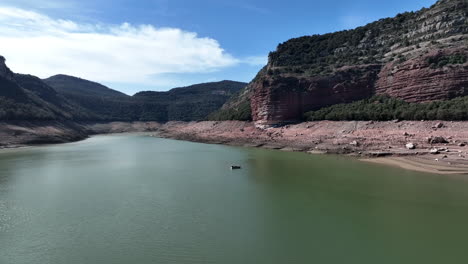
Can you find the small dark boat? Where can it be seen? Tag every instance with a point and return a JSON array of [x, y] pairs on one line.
[[236, 167]]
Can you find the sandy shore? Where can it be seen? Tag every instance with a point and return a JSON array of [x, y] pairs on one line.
[[425, 164]]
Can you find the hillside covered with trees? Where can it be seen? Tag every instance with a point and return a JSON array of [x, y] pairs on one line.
[[61, 97]]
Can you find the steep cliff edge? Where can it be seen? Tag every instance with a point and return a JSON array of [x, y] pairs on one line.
[[287, 97], [416, 56]]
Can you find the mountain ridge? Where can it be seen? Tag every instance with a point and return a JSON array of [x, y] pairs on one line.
[[70, 84], [64, 97]]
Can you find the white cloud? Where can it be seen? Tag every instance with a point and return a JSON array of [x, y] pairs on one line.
[[37, 44]]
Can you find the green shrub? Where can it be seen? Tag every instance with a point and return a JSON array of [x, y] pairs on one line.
[[242, 112], [384, 108], [441, 61]]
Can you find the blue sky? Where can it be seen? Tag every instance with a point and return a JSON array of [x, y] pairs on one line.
[[172, 42]]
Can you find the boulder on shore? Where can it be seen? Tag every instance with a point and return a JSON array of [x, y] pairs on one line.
[[434, 151], [410, 146], [437, 140], [438, 125]]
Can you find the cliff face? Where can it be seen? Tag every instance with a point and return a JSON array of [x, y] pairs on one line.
[[417, 56], [286, 98], [416, 80]]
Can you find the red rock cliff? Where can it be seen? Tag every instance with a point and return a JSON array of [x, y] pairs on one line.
[[287, 98], [418, 80], [416, 56]]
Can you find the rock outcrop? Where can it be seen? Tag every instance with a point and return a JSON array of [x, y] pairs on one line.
[[416, 56], [286, 98], [417, 81]]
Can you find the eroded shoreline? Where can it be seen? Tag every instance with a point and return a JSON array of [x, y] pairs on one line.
[[381, 142], [25, 133], [378, 142]]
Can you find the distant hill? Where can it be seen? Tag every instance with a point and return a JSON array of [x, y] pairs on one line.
[[65, 84], [190, 103], [193, 102], [62, 97], [105, 103], [25, 97]]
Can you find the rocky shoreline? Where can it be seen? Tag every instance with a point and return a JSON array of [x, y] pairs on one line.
[[16, 134], [429, 146]]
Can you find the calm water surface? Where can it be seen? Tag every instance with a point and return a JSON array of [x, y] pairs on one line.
[[137, 199]]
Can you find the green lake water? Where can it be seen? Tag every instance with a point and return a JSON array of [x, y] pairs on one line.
[[137, 199]]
